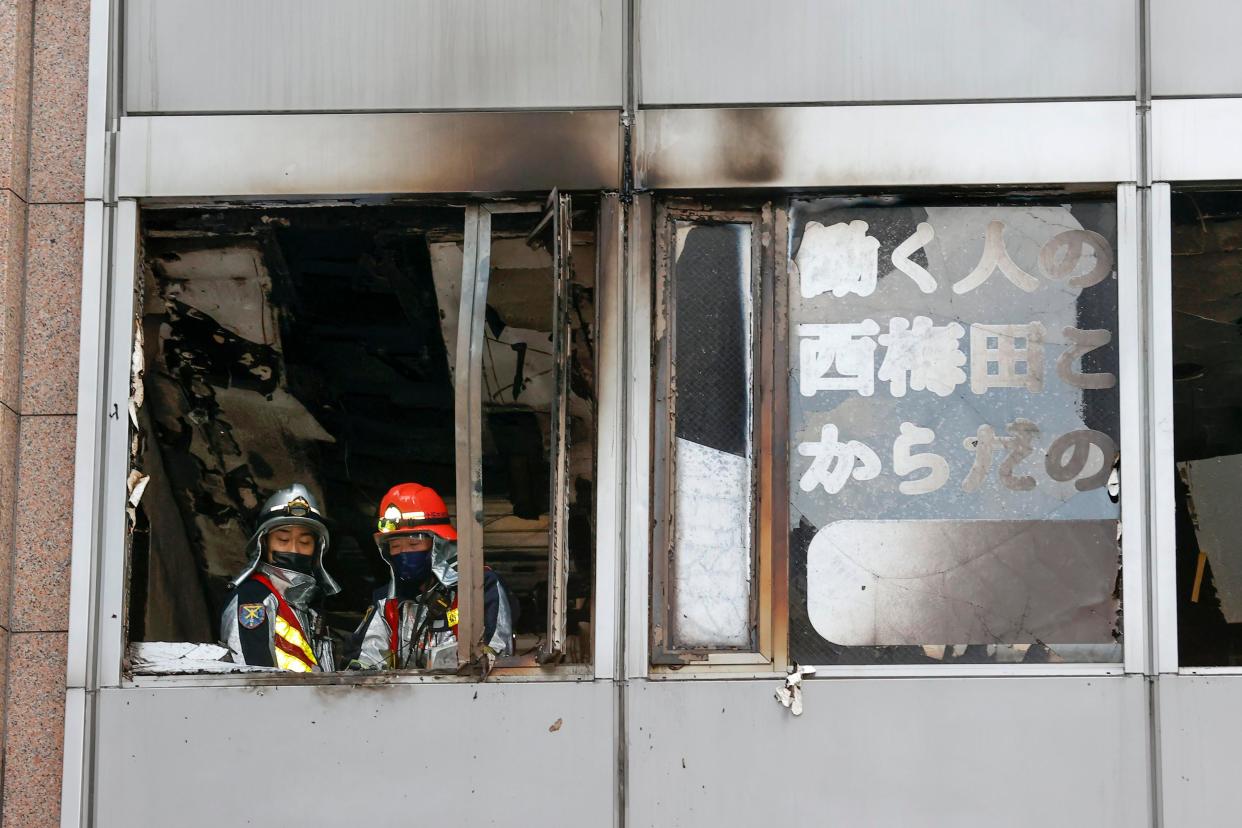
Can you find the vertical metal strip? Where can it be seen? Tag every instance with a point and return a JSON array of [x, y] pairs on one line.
[[1133, 441], [88, 464], [558, 504], [1163, 471], [468, 412], [610, 445], [763, 243], [662, 389], [779, 507], [638, 438], [114, 544]]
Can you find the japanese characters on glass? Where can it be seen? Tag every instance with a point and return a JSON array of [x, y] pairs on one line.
[[954, 430]]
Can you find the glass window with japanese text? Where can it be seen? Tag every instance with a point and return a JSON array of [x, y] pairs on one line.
[[953, 427]]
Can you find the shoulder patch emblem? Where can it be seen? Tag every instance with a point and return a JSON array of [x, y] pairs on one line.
[[251, 615]]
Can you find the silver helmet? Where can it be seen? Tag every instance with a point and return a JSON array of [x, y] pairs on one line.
[[292, 506]]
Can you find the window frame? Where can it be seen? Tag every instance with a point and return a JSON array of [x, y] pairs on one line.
[[1137, 454], [101, 555], [766, 477], [1159, 248]]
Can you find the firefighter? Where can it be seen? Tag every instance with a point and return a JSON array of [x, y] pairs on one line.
[[271, 617], [413, 622]]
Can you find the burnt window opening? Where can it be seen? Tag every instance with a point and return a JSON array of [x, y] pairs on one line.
[[317, 345], [706, 604], [1207, 424]]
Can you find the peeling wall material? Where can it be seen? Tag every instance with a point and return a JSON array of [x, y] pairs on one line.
[[1213, 486]]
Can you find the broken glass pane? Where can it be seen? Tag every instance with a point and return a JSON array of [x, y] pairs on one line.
[[1207, 411], [317, 344], [953, 427], [713, 460]]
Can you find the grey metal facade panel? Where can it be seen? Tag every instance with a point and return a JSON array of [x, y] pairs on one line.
[[360, 154], [1196, 139], [1200, 718], [1194, 47], [328, 55], [1058, 142], [491, 753], [736, 51], [909, 752]]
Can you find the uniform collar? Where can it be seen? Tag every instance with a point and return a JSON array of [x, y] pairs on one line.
[[297, 588]]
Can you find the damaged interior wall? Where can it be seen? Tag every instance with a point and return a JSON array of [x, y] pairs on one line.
[[1207, 423], [315, 344]]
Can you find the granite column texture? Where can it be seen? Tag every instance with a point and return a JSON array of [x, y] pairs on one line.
[[43, 70]]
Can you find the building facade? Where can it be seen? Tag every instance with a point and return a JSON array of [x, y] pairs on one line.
[[844, 391]]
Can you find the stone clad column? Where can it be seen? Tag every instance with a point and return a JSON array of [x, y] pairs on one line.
[[43, 69]]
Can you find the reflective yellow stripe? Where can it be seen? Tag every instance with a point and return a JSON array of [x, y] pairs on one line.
[[290, 633], [292, 663]]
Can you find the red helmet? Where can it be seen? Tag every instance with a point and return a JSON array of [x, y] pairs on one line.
[[409, 508]]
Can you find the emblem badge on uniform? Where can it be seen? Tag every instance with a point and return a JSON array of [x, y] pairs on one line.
[[251, 615]]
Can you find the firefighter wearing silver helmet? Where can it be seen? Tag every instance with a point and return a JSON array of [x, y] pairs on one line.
[[270, 619]]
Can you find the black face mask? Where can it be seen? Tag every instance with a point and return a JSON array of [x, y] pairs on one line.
[[293, 561]]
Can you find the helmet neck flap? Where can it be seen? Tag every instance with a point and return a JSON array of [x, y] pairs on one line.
[[443, 562]]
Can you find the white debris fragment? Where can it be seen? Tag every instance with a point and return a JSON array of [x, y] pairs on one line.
[[169, 657], [790, 694], [137, 485], [137, 367]]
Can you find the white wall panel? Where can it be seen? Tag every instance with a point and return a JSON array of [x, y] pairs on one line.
[[316, 55], [382, 754], [739, 51], [909, 752], [862, 146], [1194, 47], [1196, 139], [357, 154], [1200, 719]]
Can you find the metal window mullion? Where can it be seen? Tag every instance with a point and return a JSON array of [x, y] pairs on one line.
[[611, 518], [1162, 502], [778, 509], [1133, 431], [637, 557], [468, 431], [663, 445], [114, 543], [558, 505], [763, 468]]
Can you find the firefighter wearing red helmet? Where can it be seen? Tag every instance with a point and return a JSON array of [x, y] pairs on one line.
[[413, 622]]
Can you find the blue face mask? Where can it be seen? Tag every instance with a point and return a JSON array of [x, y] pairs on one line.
[[411, 566]]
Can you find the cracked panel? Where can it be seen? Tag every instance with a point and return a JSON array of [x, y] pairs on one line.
[[953, 423], [713, 459]]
